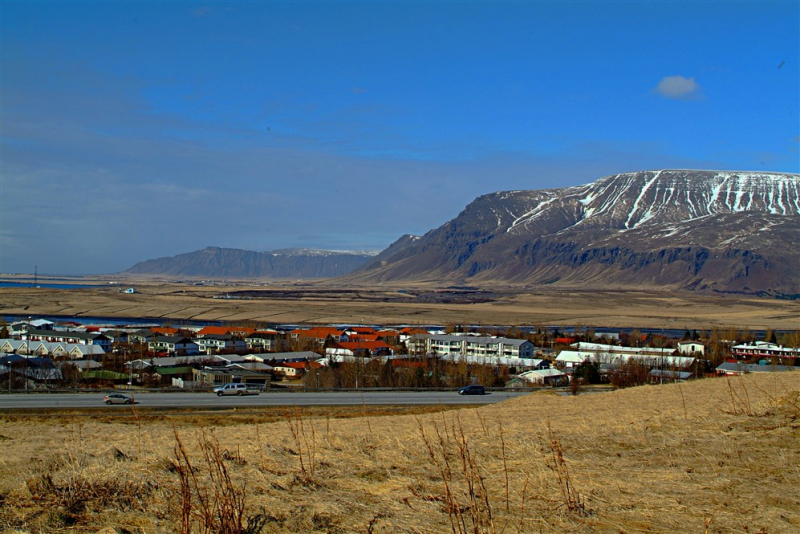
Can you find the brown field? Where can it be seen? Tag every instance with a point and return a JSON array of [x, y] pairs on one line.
[[713, 455], [322, 303]]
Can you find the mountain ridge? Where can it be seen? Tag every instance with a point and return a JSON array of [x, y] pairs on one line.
[[674, 229], [217, 262], [680, 229]]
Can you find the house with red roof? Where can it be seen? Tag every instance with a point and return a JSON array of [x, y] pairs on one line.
[[319, 334], [239, 331], [362, 337], [164, 330], [356, 330], [410, 332], [392, 337]]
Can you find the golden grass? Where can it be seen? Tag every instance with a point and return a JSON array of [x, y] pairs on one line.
[[715, 455]]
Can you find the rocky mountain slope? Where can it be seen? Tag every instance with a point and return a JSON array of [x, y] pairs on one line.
[[704, 230], [213, 262]]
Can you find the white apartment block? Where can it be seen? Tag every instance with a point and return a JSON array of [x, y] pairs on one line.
[[483, 346]]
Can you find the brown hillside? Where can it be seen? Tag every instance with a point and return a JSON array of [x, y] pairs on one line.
[[715, 455]]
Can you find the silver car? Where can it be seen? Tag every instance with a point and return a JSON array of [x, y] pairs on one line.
[[236, 389], [118, 398]]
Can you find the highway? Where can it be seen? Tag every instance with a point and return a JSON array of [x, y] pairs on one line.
[[39, 401]]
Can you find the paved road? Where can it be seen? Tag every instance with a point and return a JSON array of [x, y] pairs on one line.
[[271, 398]]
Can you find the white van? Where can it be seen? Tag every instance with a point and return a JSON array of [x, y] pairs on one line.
[[235, 389]]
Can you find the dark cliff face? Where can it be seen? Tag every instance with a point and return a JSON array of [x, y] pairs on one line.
[[700, 230], [213, 262]]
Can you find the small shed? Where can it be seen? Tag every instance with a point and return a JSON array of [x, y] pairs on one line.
[[546, 377], [659, 376]]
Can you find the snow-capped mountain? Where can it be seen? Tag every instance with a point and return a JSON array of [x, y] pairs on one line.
[[728, 231], [315, 252]]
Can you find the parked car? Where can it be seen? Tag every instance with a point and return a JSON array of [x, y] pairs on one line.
[[118, 398], [236, 389], [472, 389]]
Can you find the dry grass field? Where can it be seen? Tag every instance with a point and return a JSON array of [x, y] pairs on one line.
[[714, 455], [323, 303]]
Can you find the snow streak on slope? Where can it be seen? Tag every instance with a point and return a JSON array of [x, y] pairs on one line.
[[532, 214], [634, 200], [638, 199]]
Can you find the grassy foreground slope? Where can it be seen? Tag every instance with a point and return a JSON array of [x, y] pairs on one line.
[[716, 455]]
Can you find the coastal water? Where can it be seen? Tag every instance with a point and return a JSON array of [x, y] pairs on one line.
[[45, 285]]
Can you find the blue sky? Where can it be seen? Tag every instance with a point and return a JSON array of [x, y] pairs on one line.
[[136, 130]]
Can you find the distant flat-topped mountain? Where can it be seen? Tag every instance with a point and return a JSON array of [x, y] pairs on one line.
[[213, 262], [703, 230]]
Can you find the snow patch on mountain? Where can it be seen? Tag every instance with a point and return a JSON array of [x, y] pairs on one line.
[[315, 252], [632, 200]]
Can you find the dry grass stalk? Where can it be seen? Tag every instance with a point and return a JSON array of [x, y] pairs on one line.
[[138, 426], [77, 484], [450, 449], [505, 461], [305, 444], [522, 500], [683, 401], [445, 474], [366, 418], [221, 504], [707, 523], [740, 399], [328, 428], [780, 399], [482, 421], [571, 499], [260, 448], [479, 504]]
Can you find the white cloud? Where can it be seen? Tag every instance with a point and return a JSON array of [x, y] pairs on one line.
[[677, 87]]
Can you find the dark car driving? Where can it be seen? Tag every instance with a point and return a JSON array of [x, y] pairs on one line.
[[473, 389]]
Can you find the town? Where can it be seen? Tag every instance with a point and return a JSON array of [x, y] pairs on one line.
[[40, 354]]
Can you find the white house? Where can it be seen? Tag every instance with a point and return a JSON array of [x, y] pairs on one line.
[[78, 351], [214, 343], [543, 376], [519, 363], [18, 329], [51, 348], [763, 349], [263, 339], [70, 337], [173, 345], [258, 367], [691, 347], [86, 365], [573, 358], [283, 356], [10, 346], [737, 368], [467, 345]]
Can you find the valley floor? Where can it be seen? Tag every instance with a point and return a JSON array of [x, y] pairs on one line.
[[287, 303]]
